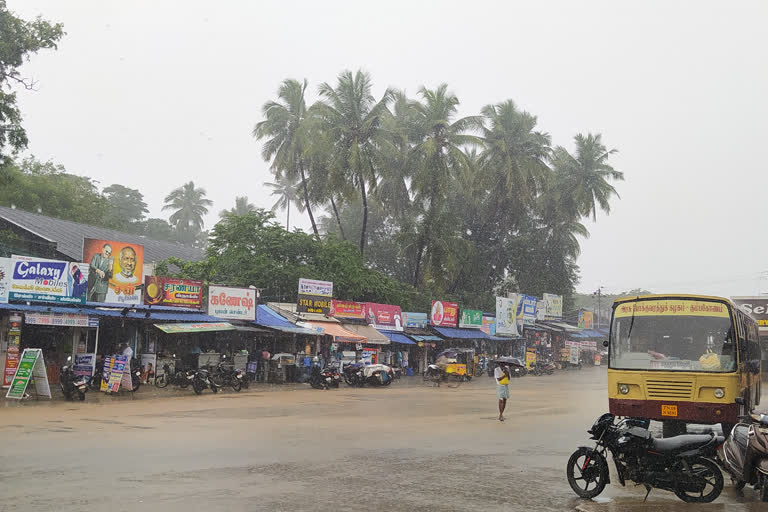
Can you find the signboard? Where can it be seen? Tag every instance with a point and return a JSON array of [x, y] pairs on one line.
[[37, 279], [347, 309], [553, 306], [530, 358], [529, 309], [84, 364], [574, 355], [671, 308], [416, 320], [471, 319], [315, 296], [60, 319], [5, 279], [116, 273], [114, 366], [195, 327], [444, 314], [12, 353], [756, 307], [489, 325], [384, 316], [180, 293], [509, 315], [586, 319], [31, 366], [233, 303]]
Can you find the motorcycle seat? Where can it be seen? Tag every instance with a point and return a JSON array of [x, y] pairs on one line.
[[687, 441]]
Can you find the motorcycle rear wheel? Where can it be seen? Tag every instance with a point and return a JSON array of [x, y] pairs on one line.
[[214, 387], [586, 467], [710, 473], [763, 487], [181, 379], [82, 395], [236, 384], [161, 381]]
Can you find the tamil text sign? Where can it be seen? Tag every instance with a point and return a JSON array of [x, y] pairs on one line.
[[529, 309], [232, 303], [314, 296], [180, 293], [445, 314], [553, 306], [347, 309], [116, 271], [471, 319], [36, 279]]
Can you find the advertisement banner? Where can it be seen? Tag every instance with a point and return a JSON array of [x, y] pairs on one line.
[[416, 320], [553, 305], [113, 373], [232, 303], [384, 316], [5, 279], [756, 307], [180, 293], [471, 319], [585, 319], [489, 325], [60, 319], [509, 315], [117, 268], [84, 364], [444, 314], [31, 365], [529, 309], [314, 296], [347, 309], [37, 279]]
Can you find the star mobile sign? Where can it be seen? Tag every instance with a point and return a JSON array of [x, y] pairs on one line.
[[314, 296]]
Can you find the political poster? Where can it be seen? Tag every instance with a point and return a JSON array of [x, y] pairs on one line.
[[314, 296], [444, 314], [348, 309], [232, 303], [553, 305], [384, 316], [116, 271], [44, 280], [529, 309], [471, 319], [416, 320], [509, 315], [179, 293]]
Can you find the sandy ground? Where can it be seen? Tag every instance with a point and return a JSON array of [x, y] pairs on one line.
[[403, 448]]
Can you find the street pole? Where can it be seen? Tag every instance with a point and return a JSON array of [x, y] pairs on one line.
[[598, 294]]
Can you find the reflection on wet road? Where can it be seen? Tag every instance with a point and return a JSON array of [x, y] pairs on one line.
[[404, 448]]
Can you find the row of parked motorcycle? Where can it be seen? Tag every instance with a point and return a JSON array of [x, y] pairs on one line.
[[517, 367], [354, 374], [688, 465], [200, 379], [73, 385]]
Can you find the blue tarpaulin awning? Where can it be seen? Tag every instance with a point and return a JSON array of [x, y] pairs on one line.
[[397, 337], [466, 334], [268, 318], [116, 312], [425, 338]]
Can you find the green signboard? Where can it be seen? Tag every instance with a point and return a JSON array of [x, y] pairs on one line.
[[471, 318], [31, 366]]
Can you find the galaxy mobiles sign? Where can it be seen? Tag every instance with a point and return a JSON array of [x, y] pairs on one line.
[[35, 279], [314, 296], [232, 303]]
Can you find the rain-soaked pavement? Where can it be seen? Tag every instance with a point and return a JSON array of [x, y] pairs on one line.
[[403, 448]]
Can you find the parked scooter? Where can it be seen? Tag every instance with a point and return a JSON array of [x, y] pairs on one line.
[[201, 380], [745, 453], [358, 374], [71, 383], [325, 378]]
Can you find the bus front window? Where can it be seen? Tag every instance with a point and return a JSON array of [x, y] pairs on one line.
[[696, 343]]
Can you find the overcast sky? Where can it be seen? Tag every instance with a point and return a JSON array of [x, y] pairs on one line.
[[151, 94]]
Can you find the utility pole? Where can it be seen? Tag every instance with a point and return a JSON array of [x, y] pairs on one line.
[[597, 295]]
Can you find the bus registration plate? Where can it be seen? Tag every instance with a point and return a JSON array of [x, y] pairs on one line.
[[669, 410]]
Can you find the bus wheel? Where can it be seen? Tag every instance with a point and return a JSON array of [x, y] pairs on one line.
[[672, 428]]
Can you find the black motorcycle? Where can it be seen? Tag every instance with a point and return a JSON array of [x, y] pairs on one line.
[[135, 374], [325, 378], [71, 383], [226, 376], [202, 380], [681, 464]]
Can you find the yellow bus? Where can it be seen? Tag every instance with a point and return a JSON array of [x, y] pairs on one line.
[[682, 359]]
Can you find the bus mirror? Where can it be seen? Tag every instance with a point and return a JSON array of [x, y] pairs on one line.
[[605, 343], [739, 400]]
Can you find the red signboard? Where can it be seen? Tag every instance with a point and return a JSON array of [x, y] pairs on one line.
[[347, 309], [11, 363], [445, 314], [180, 293], [384, 316]]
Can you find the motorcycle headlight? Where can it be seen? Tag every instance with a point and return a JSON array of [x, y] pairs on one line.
[[623, 389], [719, 393]]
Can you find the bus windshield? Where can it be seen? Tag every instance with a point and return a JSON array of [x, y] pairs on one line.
[[682, 335]]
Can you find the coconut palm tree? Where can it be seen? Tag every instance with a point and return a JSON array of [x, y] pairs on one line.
[[287, 192], [585, 177], [351, 117], [189, 206], [285, 128], [242, 207]]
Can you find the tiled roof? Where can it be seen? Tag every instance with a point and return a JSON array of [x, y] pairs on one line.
[[68, 237]]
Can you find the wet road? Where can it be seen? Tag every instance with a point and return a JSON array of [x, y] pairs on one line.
[[404, 448]]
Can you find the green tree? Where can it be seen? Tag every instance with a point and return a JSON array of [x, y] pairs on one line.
[[242, 206], [189, 205], [126, 205], [158, 229], [285, 129], [20, 39], [287, 193], [351, 118]]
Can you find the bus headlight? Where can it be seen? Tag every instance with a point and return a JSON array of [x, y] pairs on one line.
[[623, 389], [719, 393]]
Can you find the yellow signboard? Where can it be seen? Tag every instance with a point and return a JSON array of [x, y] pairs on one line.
[[672, 307], [669, 410]]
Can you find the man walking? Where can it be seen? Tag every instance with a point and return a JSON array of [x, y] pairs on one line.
[[501, 373]]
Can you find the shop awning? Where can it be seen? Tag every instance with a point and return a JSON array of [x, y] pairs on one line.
[[374, 336], [398, 337], [425, 338], [192, 327], [562, 326], [466, 334], [266, 317], [340, 335]]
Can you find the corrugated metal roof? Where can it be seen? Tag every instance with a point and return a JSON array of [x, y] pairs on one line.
[[374, 336]]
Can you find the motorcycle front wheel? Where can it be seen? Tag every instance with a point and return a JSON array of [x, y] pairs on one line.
[[587, 472], [214, 387], [161, 381], [82, 395], [181, 379], [197, 386], [708, 474]]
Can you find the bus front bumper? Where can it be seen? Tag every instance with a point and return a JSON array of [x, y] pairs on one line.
[[692, 412]]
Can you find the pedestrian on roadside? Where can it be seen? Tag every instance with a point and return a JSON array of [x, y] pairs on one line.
[[501, 373]]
